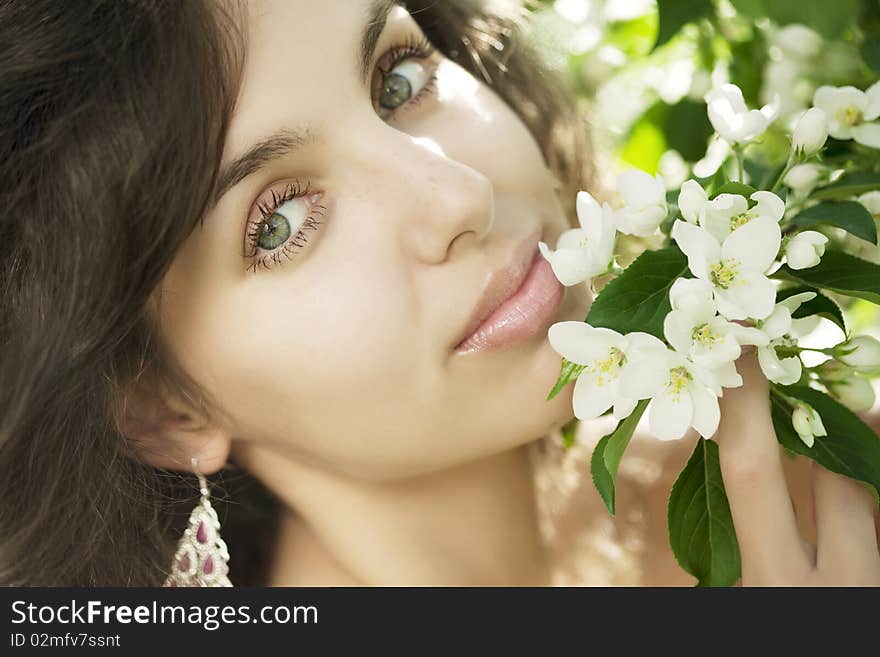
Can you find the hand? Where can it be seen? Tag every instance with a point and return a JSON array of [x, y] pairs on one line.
[[772, 549]]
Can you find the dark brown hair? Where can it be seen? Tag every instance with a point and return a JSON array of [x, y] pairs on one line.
[[112, 120]]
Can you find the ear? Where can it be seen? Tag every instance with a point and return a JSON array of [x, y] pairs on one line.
[[168, 432]]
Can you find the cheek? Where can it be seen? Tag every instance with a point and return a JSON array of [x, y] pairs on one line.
[[286, 356], [479, 128]]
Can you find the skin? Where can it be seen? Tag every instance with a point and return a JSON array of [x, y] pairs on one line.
[[333, 369]]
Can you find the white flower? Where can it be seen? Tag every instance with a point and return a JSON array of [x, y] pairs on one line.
[[645, 199], [673, 168], [798, 41], [584, 252], [716, 154], [736, 267], [695, 330], [691, 200], [862, 353], [727, 212], [854, 392], [730, 117], [810, 133], [803, 178], [682, 393], [604, 354], [805, 249], [808, 423], [776, 327], [871, 201], [851, 113]]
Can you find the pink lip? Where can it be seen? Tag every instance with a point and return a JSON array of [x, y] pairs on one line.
[[519, 302]]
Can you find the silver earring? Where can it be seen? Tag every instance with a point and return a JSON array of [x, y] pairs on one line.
[[202, 557]]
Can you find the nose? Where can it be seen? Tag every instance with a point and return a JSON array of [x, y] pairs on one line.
[[433, 199]]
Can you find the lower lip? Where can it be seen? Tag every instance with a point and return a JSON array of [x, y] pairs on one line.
[[521, 316]]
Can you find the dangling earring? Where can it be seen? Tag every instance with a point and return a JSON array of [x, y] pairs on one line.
[[202, 556]]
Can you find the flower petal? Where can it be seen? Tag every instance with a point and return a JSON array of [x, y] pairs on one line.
[[644, 378], [872, 111], [725, 350], [670, 416], [581, 343], [718, 212], [784, 372], [589, 399], [698, 245], [754, 296], [678, 328], [755, 245], [707, 412], [778, 322], [867, 134], [795, 300], [640, 190], [693, 296], [749, 335], [691, 200], [768, 205], [640, 222], [589, 212], [574, 238]]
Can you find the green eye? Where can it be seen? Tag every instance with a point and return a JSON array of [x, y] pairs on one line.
[[403, 82], [395, 91], [274, 233]]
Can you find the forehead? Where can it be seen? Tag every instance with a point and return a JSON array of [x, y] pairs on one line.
[[302, 62]]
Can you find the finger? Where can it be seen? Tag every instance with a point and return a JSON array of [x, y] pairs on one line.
[[847, 537], [751, 466]]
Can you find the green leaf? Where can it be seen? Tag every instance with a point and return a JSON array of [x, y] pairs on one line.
[[821, 305], [828, 18], [851, 447], [841, 273], [701, 531], [734, 187], [567, 372], [676, 13], [849, 184], [688, 129], [608, 452], [870, 52], [645, 145], [852, 216], [638, 299], [569, 432]]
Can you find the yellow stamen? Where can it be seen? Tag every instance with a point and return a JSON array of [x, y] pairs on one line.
[[607, 369], [724, 273], [679, 380], [849, 115], [741, 220], [704, 335]]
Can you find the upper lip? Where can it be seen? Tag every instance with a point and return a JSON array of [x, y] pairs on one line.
[[502, 284]]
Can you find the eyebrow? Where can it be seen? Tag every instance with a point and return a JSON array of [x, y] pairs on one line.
[[286, 141]]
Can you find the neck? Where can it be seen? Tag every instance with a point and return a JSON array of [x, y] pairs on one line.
[[472, 525]]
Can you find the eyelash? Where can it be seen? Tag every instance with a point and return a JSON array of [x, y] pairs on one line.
[[413, 47]]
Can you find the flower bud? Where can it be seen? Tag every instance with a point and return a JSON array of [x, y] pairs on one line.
[[861, 353], [691, 200], [808, 423], [834, 371], [805, 249], [803, 178], [810, 133], [856, 393], [871, 201]]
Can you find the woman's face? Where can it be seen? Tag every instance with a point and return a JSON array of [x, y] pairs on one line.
[[336, 345]]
